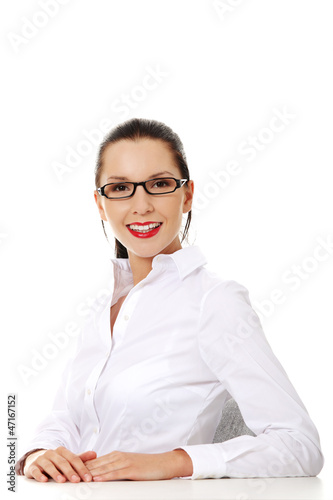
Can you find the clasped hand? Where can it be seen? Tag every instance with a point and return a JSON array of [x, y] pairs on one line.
[[62, 465]]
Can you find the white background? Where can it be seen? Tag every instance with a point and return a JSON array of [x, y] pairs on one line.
[[222, 75]]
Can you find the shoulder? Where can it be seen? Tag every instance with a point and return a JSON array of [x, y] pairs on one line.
[[214, 288], [225, 306], [227, 290], [209, 289], [228, 321]]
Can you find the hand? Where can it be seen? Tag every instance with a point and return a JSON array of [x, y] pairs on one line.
[[140, 466], [61, 465]]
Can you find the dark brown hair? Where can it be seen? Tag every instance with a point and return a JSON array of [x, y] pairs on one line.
[[139, 128]]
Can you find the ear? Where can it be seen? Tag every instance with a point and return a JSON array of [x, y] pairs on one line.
[[189, 190], [98, 200]]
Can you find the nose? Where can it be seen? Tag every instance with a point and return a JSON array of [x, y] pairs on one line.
[[141, 201]]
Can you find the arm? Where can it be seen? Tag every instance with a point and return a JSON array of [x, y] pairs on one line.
[[234, 347], [119, 465]]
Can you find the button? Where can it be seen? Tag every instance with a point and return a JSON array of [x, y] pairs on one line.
[[88, 392], [95, 430], [126, 317]]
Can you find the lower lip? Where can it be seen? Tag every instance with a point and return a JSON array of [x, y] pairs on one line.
[[148, 234]]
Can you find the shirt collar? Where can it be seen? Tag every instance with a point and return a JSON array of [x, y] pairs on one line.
[[186, 260]]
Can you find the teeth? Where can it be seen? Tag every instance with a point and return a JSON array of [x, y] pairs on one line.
[[145, 228]]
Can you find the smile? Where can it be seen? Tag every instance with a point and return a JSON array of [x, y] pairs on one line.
[[144, 230]]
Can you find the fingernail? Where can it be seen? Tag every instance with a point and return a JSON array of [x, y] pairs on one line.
[[87, 477], [75, 478], [60, 478]]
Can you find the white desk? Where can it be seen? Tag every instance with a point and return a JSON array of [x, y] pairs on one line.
[[310, 488]]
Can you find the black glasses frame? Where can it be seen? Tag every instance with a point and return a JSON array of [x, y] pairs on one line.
[[179, 184]]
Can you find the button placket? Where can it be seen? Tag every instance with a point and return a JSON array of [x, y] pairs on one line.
[[119, 329], [125, 313], [94, 375], [90, 390]]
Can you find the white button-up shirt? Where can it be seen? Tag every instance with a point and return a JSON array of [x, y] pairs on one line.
[[184, 341]]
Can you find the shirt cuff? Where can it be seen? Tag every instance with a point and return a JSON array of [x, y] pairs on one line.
[[207, 459], [20, 464]]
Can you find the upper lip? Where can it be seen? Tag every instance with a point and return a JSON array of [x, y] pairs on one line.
[[143, 223]]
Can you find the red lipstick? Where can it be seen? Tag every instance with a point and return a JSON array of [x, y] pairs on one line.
[[145, 233], [148, 232]]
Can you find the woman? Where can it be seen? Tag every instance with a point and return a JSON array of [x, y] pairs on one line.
[[143, 395]]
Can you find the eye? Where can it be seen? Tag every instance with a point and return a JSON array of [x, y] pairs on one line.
[[160, 183], [119, 188]]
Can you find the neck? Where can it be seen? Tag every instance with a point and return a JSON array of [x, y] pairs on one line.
[[141, 266]]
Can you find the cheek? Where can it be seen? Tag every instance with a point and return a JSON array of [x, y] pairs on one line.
[[176, 210], [116, 214], [172, 212]]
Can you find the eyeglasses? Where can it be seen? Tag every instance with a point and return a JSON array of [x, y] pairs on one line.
[[119, 190]]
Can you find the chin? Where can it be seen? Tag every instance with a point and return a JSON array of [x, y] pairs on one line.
[[148, 254]]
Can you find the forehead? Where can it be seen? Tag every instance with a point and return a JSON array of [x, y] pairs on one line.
[[134, 159]]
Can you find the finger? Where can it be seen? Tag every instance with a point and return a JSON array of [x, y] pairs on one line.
[[105, 459], [77, 465], [39, 473], [92, 464], [109, 464], [88, 455], [34, 472], [50, 469], [102, 469], [57, 467], [113, 475]]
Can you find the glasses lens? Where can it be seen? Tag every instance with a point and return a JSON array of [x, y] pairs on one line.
[[161, 186], [119, 190]]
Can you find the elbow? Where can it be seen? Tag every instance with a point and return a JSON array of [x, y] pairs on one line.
[[299, 455], [315, 462], [309, 456]]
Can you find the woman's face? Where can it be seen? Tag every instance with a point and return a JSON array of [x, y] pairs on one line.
[[138, 161]]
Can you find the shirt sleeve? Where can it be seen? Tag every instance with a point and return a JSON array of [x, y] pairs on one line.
[[233, 345]]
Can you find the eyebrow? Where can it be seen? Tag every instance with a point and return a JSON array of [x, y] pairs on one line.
[[151, 177]]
